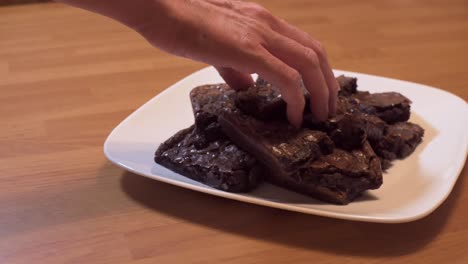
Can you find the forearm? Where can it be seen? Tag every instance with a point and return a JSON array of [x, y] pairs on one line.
[[238, 38], [133, 13]]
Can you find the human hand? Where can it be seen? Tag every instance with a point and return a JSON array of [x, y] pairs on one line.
[[240, 38]]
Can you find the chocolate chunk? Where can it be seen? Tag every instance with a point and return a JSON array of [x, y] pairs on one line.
[[219, 163], [346, 104], [262, 101], [349, 132], [348, 85], [261, 82]]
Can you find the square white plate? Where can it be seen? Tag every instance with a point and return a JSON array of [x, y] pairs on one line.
[[412, 188]]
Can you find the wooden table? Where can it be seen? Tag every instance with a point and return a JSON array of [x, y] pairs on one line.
[[67, 77]]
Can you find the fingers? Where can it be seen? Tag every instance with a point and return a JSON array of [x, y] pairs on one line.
[[306, 40], [306, 61], [235, 79], [287, 79], [257, 42]]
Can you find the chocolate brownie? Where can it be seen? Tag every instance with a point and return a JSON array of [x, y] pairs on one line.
[[390, 106], [399, 141], [305, 160], [275, 143], [348, 85], [262, 101], [219, 163], [339, 177], [208, 101]]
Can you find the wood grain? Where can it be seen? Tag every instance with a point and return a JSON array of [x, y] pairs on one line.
[[67, 77]]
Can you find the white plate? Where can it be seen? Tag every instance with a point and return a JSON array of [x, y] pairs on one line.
[[412, 188]]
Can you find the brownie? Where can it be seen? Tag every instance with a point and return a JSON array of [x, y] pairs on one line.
[[390, 106], [339, 177], [399, 141], [262, 101], [305, 160], [207, 102], [348, 85], [276, 144], [347, 104], [218, 163], [349, 131]]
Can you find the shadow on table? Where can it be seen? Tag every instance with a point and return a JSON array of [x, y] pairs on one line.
[[289, 228]]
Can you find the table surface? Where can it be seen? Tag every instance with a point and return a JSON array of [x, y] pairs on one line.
[[67, 77]]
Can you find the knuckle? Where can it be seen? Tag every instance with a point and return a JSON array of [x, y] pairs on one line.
[[246, 41], [320, 49], [312, 58], [229, 4], [292, 78], [258, 11]]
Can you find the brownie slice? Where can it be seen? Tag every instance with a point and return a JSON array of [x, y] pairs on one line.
[[390, 106], [275, 144], [218, 163], [305, 160], [339, 177], [208, 101], [399, 141]]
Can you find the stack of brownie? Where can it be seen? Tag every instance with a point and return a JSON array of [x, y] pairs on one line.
[[242, 138]]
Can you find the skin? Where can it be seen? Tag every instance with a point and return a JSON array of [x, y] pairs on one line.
[[238, 38]]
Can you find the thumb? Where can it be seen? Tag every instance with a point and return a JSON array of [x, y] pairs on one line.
[[235, 79]]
